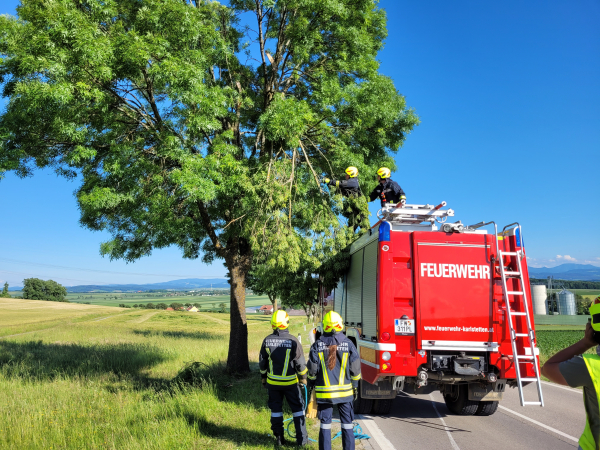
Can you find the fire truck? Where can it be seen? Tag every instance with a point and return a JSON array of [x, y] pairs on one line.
[[433, 305]]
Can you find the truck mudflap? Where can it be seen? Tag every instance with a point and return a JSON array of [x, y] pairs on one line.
[[487, 392], [383, 389]]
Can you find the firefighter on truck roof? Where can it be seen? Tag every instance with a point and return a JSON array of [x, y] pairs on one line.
[[283, 369], [349, 186], [388, 191], [570, 367], [334, 371]]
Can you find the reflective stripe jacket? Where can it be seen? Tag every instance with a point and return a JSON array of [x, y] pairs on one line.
[[281, 360], [388, 192], [348, 187], [334, 386]]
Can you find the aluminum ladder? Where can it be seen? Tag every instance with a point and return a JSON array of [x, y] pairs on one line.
[[519, 359]]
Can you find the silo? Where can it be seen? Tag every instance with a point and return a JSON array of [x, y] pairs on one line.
[[566, 303], [539, 296]]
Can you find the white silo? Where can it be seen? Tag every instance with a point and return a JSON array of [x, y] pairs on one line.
[[566, 303], [539, 296]]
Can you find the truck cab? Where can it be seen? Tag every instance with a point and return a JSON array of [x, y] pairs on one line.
[[433, 305]]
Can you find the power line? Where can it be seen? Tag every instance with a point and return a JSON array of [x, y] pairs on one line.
[[54, 266]]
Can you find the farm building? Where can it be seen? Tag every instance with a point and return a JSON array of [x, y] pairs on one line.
[[192, 309]]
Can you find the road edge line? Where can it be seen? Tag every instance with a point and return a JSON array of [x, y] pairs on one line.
[[376, 433], [540, 424], [452, 441], [576, 391]]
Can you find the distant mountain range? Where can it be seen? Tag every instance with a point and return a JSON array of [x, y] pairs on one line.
[[184, 284], [585, 272]]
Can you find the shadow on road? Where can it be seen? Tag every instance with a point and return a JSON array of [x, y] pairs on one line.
[[420, 412]]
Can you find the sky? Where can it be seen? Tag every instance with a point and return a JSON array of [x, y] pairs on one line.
[[508, 94]]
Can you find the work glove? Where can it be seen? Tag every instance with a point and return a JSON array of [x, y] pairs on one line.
[[302, 381], [326, 180], [264, 382], [355, 390]]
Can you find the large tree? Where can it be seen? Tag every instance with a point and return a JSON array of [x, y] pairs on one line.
[[201, 125]]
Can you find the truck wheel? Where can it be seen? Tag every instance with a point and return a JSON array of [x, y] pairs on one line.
[[459, 403], [486, 408], [382, 407]]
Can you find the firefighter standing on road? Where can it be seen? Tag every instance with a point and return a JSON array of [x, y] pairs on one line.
[[570, 367], [283, 369], [334, 370], [388, 191], [349, 186]]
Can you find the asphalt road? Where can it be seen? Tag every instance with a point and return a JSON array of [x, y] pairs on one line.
[[424, 422]]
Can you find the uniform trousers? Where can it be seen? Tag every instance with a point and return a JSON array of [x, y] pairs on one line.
[[324, 413], [296, 402]]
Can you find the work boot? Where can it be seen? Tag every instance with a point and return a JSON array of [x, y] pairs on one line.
[[280, 440]]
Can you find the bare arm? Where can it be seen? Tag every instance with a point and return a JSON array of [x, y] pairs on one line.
[[551, 369]]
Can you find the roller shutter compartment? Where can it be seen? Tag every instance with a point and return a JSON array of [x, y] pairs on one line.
[[354, 286], [369, 291], [339, 303]]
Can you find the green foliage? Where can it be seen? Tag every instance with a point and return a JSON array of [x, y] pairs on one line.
[[176, 306], [150, 306], [4, 293], [222, 307], [553, 341], [179, 138], [50, 290]]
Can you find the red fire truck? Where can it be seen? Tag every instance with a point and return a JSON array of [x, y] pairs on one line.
[[433, 305]]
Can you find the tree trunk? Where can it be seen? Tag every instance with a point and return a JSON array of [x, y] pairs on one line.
[[237, 357], [273, 302]]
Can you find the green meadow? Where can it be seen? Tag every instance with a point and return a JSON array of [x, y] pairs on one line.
[[95, 377]]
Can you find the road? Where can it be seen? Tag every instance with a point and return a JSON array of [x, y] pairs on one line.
[[424, 422]]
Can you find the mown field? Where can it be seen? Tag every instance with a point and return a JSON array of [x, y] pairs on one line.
[[92, 377]]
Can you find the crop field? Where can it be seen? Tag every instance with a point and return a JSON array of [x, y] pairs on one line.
[[208, 302], [93, 377]]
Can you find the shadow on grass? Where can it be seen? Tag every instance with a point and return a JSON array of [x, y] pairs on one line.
[[239, 436], [44, 361], [200, 335]]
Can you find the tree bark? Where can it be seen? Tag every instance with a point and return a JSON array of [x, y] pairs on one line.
[[237, 356]]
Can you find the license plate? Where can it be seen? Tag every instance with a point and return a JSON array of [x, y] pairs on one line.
[[404, 326]]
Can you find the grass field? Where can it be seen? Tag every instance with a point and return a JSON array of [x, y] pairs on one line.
[[132, 298], [93, 377]]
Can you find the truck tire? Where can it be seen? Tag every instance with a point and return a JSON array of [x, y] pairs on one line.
[[382, 407], [460, 404], [486, 408]]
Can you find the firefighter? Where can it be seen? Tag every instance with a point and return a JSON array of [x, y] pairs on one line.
[[571, 367], [349, 186], [388, 191], [283, 370], [334, 371]]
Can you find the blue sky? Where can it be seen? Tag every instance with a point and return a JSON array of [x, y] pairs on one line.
[[509, 98]]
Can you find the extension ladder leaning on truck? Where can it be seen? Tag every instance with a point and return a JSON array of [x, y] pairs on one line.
[[439, 309]]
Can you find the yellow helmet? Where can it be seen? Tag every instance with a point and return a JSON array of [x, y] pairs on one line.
[[332, 322], [595, 313], [352, 171], [280, 320], [384, 172]]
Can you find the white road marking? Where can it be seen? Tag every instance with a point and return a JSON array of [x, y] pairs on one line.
[[539, 424], [560, 386], [452, 441], [376, 433]]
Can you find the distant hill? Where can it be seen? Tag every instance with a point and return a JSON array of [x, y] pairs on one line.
[[569, 271], [184, 284]]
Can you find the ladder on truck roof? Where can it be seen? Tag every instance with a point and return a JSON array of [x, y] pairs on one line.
[[414, 214], [522, 293]]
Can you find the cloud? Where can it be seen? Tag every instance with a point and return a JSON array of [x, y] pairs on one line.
[[552, 260], [566, 257]]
